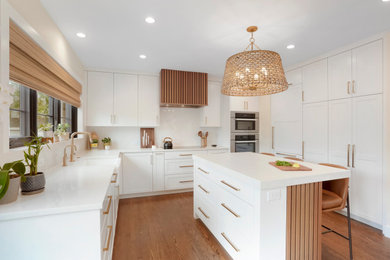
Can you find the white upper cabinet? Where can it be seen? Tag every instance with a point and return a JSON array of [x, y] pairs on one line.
[[339, 75], [100, 99], [315, 132], [340, 132], [315, 82], [367, 66], [357, 72], [294, 77], [245, 104], [125, 100], [149, 101], [211, 114]]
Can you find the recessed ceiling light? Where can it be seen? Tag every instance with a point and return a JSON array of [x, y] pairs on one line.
[[290, 46], [385, 0], [81, 35], [142, 56], [150, 19]]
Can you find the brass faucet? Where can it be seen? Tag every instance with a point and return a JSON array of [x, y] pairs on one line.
[[73, 146], [65, 157]]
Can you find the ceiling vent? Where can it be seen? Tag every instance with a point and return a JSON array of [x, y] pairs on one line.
[[183, 88]]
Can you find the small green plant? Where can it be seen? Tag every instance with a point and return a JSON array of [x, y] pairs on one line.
[[35, 147], [46, 127], [106, 140], [95, 141], [62, 128], [5, 174]]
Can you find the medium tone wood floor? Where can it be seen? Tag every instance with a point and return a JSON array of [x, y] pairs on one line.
[[163, 227]]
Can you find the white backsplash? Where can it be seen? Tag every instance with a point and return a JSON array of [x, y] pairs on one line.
[[181, 124]]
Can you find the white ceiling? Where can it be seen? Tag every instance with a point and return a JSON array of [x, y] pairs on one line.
[[199, 35]]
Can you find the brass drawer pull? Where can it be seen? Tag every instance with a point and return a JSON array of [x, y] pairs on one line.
[[230, 242], [116, 178], [200, 169], [353, 156], [204, 214], [186, 166], [108, 239], [231, 211], [186, 181], [200, 186], [108, 206], [230, 186], [186, 154]]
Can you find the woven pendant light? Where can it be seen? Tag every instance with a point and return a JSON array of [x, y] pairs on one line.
[[254, 72]]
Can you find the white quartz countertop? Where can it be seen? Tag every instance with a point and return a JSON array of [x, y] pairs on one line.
[[175, 148], [256, 167], [80, 186]]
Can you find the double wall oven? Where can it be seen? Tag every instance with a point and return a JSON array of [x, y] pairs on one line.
[[244, 135]]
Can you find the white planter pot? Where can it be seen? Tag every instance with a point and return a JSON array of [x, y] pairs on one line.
[[107, 147], [46, 134]]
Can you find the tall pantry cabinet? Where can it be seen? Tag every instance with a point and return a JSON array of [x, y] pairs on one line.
[[342, 121]]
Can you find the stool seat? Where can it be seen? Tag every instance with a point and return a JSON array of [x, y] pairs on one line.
[[330, 200]]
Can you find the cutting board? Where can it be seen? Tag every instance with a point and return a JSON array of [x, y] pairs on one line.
[[290, 168]]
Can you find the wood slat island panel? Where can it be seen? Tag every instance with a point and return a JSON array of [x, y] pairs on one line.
[[304, 221]]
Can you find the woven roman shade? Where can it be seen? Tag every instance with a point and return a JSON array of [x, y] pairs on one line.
[[31, 66]]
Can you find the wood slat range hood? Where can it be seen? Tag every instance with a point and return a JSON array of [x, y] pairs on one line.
[[183, 88]]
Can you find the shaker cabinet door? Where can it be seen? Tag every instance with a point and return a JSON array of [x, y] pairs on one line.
[[137, 173], [149, 101], [315, 82], [340, 75], [125, 100]]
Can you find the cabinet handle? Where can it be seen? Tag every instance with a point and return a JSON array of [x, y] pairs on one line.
[[231, 211], [348, 87], [348, 148], [273, 143], [186, 154], [204, 214], [186, 166], [353, 156], [200, 169], [108, 206], [186, 181], [230, 186], [353, 87], [230, 242], [116, 178], [200, 186], [108, 239], [303, 150]]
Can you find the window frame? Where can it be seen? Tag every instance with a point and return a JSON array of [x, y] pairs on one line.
[[30, 97]]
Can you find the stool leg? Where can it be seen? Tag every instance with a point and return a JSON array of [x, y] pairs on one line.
[[349, 228]]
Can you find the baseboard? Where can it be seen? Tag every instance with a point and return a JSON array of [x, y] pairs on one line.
[[157, 193], [386, 231], [363, 220]]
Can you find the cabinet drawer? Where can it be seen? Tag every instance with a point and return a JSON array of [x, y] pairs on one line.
[[179, 166], [206, 189], [207, 213], [182, 154], [204, 171], [236, 225], [242, 189], [177, 182]]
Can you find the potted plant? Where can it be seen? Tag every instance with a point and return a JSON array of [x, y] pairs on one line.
[[107, 143], [95, 143], [62, 131], [34, 181], [10, 175], [46, 130]]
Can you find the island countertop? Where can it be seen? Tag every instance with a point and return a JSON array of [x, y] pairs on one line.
[[256, 167]]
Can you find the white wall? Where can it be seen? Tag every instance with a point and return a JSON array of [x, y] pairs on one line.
[[181, 124], [34, 20]]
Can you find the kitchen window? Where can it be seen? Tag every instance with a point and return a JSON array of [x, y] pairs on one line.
[[31, 108]]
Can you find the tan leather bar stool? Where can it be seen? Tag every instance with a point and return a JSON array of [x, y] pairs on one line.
[[293, 158], [335, 197], [270, 154]]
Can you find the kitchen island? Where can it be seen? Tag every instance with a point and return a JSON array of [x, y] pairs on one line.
[[257, 211]]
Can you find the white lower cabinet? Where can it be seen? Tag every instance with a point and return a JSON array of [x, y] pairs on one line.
[[159, 171], [137, 173]]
